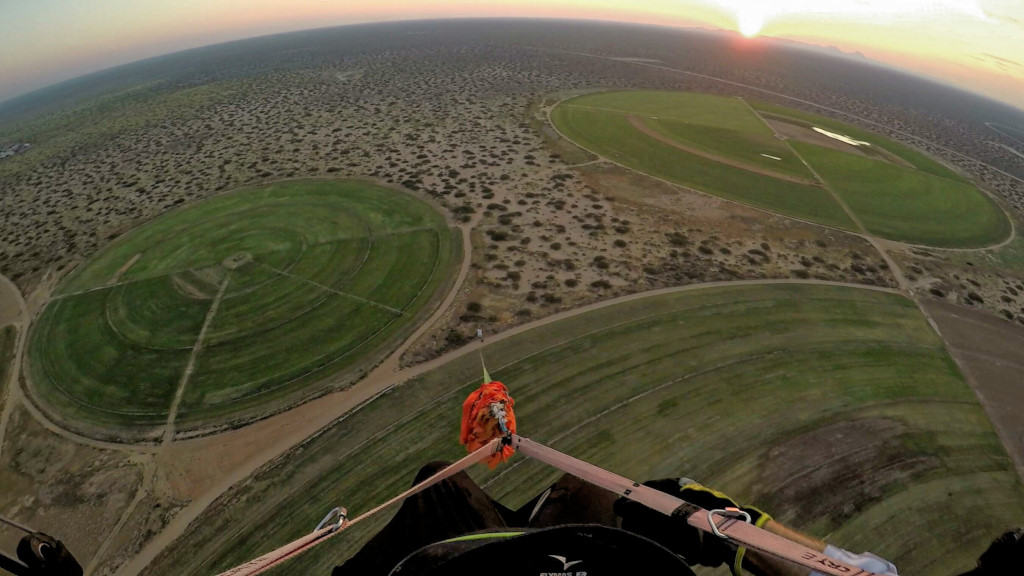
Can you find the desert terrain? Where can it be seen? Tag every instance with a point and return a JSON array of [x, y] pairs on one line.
[[545, 233]]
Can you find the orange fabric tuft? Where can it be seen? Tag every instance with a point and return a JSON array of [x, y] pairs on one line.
[[479, 427]]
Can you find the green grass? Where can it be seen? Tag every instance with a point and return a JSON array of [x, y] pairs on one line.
[[293, 318], [81, 365], [1008, 258], [742, 147], [259, 311], [283, 298], [395, 268], [909, 205], [611, 135], [280, 219], [691, 107], [916, 158], [153, 314], [326, 262], [929, 205], [738, 387], [716, 125], [264, 359]]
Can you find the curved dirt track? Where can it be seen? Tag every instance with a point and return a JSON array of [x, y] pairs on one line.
[[823, 107], [773, 93]]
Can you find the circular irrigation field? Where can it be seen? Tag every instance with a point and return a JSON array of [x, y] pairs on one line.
[[786, 161], [239, 304]]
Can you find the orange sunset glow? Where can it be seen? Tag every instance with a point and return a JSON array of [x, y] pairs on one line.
[[976, 44]]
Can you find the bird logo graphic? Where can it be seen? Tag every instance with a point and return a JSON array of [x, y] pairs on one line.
[[565, 564]]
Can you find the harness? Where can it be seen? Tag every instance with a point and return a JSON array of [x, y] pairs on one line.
[[728, 524]]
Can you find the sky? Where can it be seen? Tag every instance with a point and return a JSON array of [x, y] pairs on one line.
[[974, 44]]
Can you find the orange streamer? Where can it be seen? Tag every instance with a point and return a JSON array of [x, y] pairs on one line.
[[478, 425]]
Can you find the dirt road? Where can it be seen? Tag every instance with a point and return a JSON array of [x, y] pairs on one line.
[[988, 351], [13, 311], [172, 414], [894, 268]]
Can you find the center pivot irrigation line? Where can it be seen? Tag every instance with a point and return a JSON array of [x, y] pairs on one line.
[[329, 289], [173, 412]]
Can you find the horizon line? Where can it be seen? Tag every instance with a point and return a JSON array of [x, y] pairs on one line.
[[822, 49]]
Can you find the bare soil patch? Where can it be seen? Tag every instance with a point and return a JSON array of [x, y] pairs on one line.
[[188, 289], [10, 304], [801, 134], [120, 271], [149, 518], [638, 123], [989, 279], [988, 350], [820, 474], [236, 261], [57, 486], [608, 231]]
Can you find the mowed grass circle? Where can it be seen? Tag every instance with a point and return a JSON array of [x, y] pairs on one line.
[[734, 149], [243, 302], [835, 409]]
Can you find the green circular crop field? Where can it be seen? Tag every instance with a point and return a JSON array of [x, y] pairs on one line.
[[246, 299], [786, 161]]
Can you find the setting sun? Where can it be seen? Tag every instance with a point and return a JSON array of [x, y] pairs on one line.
[[750, 23]]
